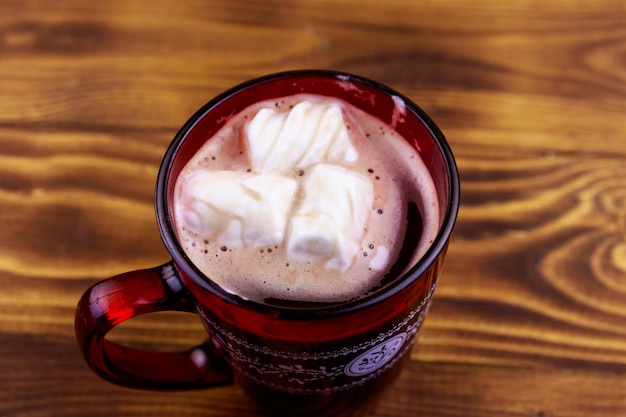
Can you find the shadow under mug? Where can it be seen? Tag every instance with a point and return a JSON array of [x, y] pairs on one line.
[[312, 359]]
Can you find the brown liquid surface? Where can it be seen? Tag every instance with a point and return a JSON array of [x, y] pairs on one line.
[[399, 178]]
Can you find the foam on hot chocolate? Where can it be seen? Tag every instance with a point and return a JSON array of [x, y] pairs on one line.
[[302, 198]]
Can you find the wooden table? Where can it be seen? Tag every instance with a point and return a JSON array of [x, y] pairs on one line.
[[529, 318]]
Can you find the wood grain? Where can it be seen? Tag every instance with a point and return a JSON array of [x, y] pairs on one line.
[[545, 242], [49, 379], [530, 313]]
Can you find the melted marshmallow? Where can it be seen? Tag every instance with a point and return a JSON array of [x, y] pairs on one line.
[[238, 208], [331, 220], [309, 133], [258, 208]]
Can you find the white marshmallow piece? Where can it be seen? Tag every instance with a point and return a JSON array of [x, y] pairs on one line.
[[281, 141], [330, 222], [238, 208]]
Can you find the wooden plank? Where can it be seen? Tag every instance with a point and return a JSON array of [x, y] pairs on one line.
[[528, 319], [46, 377]]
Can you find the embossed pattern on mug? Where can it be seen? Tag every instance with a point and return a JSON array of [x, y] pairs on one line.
[[326, 371]]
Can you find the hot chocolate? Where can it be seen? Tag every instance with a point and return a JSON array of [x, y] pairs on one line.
[[302, 198], [321, 215]]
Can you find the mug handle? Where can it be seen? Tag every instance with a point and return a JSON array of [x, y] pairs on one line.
[[122, 297]]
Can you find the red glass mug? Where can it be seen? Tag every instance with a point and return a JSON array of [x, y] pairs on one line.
[[309, 359]]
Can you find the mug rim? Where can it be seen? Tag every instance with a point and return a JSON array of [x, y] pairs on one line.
[[438, 246]]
